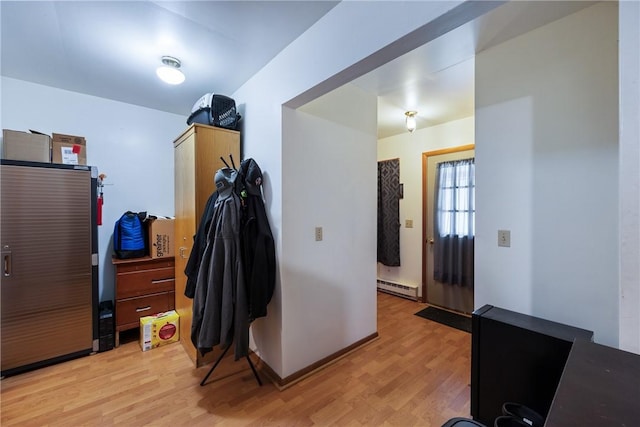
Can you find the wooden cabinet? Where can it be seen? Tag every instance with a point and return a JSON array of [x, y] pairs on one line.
[[144, 286], [197, 158]]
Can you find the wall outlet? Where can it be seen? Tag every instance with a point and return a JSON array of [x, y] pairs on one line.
[[318, 234], [504, 238]]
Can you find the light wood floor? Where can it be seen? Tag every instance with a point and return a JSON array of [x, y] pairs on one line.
[[416, 374]]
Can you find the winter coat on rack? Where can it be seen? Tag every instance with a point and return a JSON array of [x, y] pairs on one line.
[[258, 248], [199, 245], [220, 307]]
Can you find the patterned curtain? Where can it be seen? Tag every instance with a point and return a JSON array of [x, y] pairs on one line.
[[454, 223], [389, 212]]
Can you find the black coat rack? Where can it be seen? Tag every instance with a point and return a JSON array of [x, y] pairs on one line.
[[255, 373], [256, 174]]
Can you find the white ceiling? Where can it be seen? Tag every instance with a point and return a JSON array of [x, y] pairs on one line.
[[438, 79], [111, 49]]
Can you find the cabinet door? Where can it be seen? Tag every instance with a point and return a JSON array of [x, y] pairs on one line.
[[46, 288], [211, 145], [185, 227]]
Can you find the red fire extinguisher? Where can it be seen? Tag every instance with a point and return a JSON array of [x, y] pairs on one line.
[[100, 200], [99, 211]]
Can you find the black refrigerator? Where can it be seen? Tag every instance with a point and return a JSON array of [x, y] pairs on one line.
[[49, 282]]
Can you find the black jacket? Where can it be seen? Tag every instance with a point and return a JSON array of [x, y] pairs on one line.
[[199, 244], [259, 257]]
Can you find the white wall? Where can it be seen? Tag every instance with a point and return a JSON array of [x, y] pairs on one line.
[[629, 178], [547, 169], [329, 181], [408, 147], [132, 145]]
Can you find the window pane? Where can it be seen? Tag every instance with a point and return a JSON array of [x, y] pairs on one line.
[[455, 204]]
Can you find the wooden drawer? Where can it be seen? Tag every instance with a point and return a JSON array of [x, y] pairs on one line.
[[144, 282], [129, 311], [139, 264]]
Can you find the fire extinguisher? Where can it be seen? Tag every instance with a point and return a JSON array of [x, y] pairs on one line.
[[100, 200], [99, 211]]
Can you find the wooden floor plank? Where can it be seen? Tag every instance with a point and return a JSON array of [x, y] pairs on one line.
[[416, 373]]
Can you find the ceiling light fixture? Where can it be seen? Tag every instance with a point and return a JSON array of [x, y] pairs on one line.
[[170, 71], [411, 120]]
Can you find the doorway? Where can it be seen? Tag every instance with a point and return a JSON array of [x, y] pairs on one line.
[[451, 297]]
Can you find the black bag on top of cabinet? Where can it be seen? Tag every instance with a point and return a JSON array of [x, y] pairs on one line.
[[215, 110], [130, 235]]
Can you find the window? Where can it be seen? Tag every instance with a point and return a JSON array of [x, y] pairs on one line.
[[455, 198]]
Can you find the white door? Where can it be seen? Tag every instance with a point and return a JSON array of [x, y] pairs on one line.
[[451, 297]]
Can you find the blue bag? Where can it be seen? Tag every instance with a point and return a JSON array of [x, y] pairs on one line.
[[129, 236]]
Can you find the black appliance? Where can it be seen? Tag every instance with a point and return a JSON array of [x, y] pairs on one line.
[[516, 358]]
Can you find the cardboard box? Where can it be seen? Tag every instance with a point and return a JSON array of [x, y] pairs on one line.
[[159, 329], [68, 149], [32, 147], [161, 237]]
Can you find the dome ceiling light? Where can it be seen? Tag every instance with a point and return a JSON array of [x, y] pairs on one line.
[[170, 71], [411, 120]]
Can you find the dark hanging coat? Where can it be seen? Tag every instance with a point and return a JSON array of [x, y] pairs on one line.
[[220, 307], [199, 245], [258, 248]]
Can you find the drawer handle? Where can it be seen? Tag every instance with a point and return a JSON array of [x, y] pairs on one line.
[[162, 280], [139, 309]]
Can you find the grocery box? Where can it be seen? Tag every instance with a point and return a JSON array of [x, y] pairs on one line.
[[68, 149], [160, 237], [32, 147], [159, 329]]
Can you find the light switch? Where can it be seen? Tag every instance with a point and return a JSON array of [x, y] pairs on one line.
[[408, 223], [504, 238]]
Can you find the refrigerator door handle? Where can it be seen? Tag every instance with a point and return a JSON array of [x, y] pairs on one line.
[[6, 261]]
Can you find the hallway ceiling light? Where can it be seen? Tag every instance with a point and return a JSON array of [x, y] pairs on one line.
[[411, 120], [170, 71]]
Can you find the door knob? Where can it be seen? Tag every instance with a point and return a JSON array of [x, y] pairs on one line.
[[431, 241]]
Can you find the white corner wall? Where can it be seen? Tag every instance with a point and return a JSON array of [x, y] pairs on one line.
[[408, 147], [329, 181], [547, 169], [132, 145], [629, 178]]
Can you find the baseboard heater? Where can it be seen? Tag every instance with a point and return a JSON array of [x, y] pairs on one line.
[[405, 291]]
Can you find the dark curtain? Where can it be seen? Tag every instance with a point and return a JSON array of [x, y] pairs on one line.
[[389, 212], [453, 260], [454, 218]]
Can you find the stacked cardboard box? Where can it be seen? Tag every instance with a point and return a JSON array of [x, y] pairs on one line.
[[32, 147], [38, 147], [68, 149], [161, 237]]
